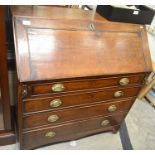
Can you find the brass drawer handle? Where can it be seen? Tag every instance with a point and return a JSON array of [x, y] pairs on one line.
[[58, 87], [50, 134], [119, 94], [105, 123], [53, 118], [124, 81], [55, 103], [112, 108]]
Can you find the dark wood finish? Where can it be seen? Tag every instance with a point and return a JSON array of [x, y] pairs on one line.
[[76, 99], [7, 135], [74, 114], [76, 85], [70, 130], [56, 45], [4, 73], [19, 113], [7, 138]]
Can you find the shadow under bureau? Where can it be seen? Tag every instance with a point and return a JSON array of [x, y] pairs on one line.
[[76, 76]]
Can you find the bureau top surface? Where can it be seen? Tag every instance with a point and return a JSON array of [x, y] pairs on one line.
[[58, 43]]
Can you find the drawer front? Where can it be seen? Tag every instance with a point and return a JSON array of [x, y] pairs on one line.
[[74, 99], [70, 131], [67, 86], [61, 116]]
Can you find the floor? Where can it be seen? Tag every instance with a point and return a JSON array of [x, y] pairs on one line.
[[141, 125]]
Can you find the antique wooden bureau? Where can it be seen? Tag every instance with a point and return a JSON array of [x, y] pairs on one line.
[[78, 74]]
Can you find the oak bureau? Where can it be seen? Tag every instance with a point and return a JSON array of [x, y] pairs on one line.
[[78, 74]]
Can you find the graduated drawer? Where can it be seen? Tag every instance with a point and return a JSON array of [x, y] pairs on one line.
[[76, 99], [70, 131], [85, 84], [66, 115]]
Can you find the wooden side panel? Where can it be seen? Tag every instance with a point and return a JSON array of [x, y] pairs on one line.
[[7, 137], [4, 73]]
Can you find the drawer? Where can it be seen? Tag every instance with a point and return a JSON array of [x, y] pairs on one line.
[[69, 131], [75, 85], [76, 99], [62, 116]]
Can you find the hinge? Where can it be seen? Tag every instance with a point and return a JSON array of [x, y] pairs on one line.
[[148, 78], [146, 81]]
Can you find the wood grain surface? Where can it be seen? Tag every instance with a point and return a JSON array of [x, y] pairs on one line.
[[85, 53]]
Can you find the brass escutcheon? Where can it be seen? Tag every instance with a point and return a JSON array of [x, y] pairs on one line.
[[91, 27], [55, 103], [124, 81], [58, 87], [112, 108], [105, 122], [53, 118], [118, 93], [50, 134]]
